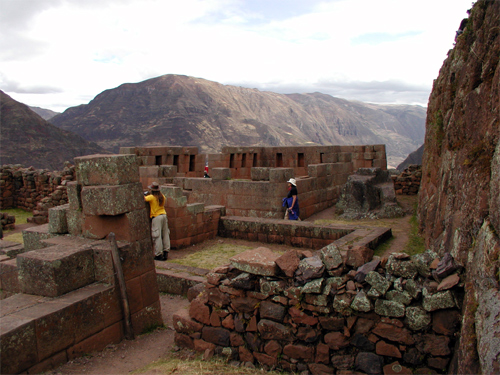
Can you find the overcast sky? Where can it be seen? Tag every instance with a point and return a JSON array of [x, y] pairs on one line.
[[57, 54]]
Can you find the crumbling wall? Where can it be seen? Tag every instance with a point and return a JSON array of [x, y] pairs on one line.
[[34, 190], [327, 312], [408, 181]]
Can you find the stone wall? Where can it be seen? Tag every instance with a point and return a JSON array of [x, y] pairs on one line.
[[327, 312], [408, 182], [67, 300], [34, 190], [240, 160]]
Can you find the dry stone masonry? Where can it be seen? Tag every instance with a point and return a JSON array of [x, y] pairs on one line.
[[35, 190], [328, 312], [408, 182]]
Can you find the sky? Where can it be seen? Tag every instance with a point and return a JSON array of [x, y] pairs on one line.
[[57, 54]]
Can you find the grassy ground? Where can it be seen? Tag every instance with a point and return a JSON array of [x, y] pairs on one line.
[[21, 218], [199, 367], [212, 256]]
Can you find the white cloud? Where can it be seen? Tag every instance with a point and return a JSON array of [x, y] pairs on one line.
[[85, 47]]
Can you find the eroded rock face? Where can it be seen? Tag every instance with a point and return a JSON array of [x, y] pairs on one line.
[[459, 198]]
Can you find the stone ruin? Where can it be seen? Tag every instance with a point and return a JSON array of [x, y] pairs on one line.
[[107, 197], [66, 292], [327, 312]]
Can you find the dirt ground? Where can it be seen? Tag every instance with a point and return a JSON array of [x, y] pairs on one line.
[[132, 355]]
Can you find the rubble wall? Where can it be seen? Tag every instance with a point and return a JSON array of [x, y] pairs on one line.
[[327, 312], [408, 182], [34, 190]]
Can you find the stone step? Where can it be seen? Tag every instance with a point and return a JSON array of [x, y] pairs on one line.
[[174, 278], [370, 237], [72, 324]]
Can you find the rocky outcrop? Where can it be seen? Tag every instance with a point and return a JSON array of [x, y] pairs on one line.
[[369, 193], [29, 140], [188, 111], [459, 200]]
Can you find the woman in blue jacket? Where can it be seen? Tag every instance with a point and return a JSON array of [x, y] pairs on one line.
[[291, 201]]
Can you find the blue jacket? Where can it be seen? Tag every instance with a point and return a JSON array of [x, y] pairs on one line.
[[287, 202]]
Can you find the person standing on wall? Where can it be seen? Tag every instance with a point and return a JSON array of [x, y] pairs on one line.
[[159, 225], [291, 201]]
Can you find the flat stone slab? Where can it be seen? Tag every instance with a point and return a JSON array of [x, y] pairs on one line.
[[368, 237], [259, 261], [55, 270], [6, 244]]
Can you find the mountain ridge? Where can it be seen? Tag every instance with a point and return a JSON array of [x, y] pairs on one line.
[[28, 139], [187, 111]]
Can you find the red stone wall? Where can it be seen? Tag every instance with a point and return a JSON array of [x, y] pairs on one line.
[[326, 313], [408, 182]]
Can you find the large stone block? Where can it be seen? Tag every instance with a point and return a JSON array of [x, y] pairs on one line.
[[221, 174], [55, 270], [94, 170], [281, 174], [112, 200], [58, 222], [259, 174], [74, 189], [147, 318], [132, 226], [75, 222], [18, 344], [9, 280], [32, 237], [260, 261]]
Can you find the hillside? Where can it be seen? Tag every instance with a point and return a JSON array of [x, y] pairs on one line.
[[459, 198], [186, 111], [44, 113], [28, 139]]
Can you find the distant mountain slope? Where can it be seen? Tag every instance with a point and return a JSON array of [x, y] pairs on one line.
[[187, 111], [414, 158], [28, 139], [44, 113]]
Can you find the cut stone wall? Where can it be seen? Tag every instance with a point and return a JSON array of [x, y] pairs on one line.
[[327, 312], [67, 301]]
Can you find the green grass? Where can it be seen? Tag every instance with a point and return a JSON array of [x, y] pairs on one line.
[[211, 257], [21, 218], [21, 215], [416, 244], [383, 247], [197, 366]]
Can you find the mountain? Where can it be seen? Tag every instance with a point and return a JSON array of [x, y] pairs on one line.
[[28, 139], [44, 113], [186, 111], [414, 158]]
